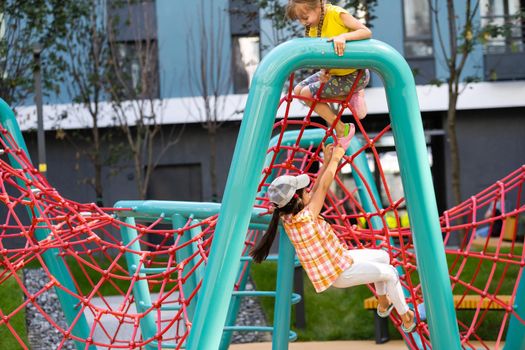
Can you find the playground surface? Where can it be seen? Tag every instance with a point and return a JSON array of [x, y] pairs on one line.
[[336, 345], [332, 345]]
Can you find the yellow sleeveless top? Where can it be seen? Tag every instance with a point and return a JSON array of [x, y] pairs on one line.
[[332, 26]]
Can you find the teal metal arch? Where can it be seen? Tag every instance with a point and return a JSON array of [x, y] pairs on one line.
[[247, 164]]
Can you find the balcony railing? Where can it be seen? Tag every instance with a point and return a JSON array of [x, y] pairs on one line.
[[504, 47], [504, 34]]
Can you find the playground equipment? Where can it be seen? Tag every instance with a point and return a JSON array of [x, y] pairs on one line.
[[162, 274]]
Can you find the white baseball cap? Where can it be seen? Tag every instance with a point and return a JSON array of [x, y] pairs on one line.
[[282, 189]]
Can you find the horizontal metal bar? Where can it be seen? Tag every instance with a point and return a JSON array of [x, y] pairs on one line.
[[273, 257], [170, 308], [154, 345], [199, 210], [254, 293], [292, 335], [249, 328], [152, 270]]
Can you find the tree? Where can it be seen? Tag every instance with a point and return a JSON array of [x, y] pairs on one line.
[[87, 57], [133, 85], [464, 33], [26, 24], [209, 77]]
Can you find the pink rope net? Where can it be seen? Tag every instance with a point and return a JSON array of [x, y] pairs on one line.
[[86, 239]]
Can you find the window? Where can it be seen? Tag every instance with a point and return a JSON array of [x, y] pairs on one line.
[[503, 17], [418, 30], [133, 36], [244, 26], [418, 43], [245, 61], [138, 66]]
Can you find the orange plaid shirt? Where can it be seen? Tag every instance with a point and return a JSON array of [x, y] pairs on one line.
[[319, 250]]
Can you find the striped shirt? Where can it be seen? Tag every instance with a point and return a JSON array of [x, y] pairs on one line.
[[319, 250]]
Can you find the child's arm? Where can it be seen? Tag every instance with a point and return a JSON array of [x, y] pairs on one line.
[[324, 180], [358, 31], [327, 155]]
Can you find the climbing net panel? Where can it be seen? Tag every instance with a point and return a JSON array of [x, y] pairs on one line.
[[133, 283], [82, 256], [367, 210]]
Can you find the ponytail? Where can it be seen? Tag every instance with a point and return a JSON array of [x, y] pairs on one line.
[[260, 252]]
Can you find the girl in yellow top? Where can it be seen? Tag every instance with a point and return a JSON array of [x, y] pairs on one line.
[[335, 23]]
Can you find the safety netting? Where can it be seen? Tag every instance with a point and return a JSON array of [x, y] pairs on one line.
[[484, 236], [132, 283]]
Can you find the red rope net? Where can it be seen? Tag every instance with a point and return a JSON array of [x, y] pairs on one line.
[[38, 227], [484, 271]]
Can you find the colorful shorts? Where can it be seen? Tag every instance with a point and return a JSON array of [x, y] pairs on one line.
[[337, 85]]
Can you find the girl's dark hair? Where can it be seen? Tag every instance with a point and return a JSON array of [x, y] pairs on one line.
[[260, 252]]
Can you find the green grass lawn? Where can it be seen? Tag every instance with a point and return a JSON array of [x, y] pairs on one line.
[[11, 297]]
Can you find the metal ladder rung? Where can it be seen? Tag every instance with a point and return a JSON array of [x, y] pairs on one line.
[[245, 293], [162, 308], [148, 270], [155, 345], [170, 308], [255, 293], [272, 257], [291, 337]]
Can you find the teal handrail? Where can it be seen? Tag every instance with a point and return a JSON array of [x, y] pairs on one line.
[[248, 159], [51, 256]]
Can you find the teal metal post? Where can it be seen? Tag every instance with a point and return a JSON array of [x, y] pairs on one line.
[[247, 164], [140, 287], [284, 289], [51, 256], [233, 311], [516, 331], [189, 286]]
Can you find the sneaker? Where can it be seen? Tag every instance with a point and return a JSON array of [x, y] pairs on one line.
[[386, 313], [357, 101], [349, 133]]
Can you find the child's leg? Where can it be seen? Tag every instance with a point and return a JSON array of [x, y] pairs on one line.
[[309, 88], [483, 231], [379, 256], [384, 276], [374, 255], [324, 111], [357, 101]]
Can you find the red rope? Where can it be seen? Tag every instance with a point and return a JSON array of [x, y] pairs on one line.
[[89, 245]]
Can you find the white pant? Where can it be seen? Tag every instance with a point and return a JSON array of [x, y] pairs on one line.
[[373, 266]]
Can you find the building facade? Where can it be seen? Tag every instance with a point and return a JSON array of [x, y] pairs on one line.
[[209, 50]]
